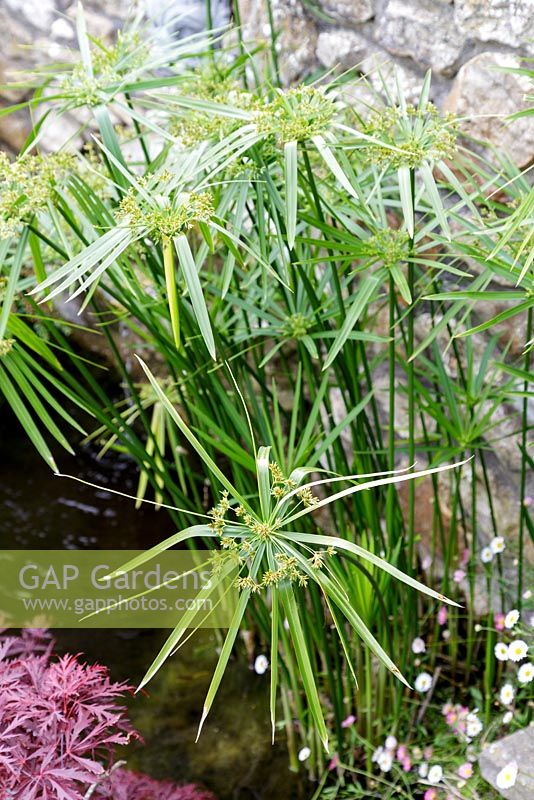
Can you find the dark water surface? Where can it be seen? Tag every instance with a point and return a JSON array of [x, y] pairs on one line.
[[234, 757]]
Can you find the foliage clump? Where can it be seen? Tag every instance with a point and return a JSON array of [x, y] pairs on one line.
[[27, 185], [60, 722]]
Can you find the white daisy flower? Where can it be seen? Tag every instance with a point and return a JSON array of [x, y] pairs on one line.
[[507, 694], [377, 753], [435, 774], [261, 664], [507, 718], [304, 754], [525, 672], [486, 555], [423, 769], [511, 619], [423, 682], [418, 645], [517, 650], [507, 777], [501, 651], [385, 761], [474, 725], [497, 545], [390, 743]]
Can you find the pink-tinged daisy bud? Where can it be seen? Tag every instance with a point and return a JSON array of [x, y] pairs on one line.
[[442, 615], [402, 752], [498, 621], [465, 771]]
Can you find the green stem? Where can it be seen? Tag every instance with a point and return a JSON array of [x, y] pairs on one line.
[[391, 492], [523, 510], [172, 295], [274, 54], [411, 390]]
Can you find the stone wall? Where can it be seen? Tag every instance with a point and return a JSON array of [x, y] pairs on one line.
[[460, 40]]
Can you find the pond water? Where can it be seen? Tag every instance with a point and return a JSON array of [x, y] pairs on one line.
[[234, 756]]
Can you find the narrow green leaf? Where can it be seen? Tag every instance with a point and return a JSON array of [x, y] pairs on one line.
[[21, 412], [264, 481], [13, 279], [434, 198], [187, 263], [343, 544], [333, 165], [229, 641], [290, 167], [405, 189], [366, 289], [170, 283], [191, 438]]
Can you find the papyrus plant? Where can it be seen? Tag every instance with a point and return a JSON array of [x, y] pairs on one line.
[[274, 556]]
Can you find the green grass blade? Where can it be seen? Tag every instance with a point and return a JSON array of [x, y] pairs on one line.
[[366, 290], [405, 189], [303, 660], [290, 172], [189, 269]]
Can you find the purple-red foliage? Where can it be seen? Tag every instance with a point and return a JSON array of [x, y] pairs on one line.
[[59, 721], [59, 724], [126, 785]]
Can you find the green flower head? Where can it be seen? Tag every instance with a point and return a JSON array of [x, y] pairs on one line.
[[410, 136], [27, 185], [170, 219], [297, 114]]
